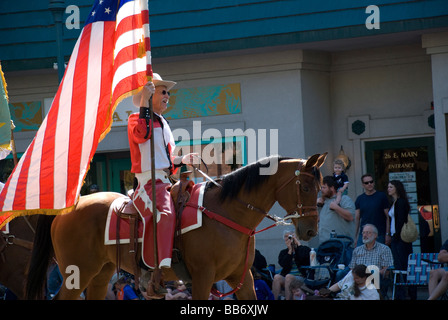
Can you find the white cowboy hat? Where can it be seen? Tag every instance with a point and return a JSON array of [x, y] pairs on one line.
[[158, 81]]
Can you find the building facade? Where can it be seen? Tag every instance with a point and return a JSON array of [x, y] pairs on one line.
[[292, 78]]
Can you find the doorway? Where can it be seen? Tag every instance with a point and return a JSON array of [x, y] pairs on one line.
[[412, 161]]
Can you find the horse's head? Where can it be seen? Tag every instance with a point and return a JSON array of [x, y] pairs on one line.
[[297, 191]]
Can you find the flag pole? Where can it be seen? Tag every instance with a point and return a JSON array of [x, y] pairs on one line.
[[155, 215]]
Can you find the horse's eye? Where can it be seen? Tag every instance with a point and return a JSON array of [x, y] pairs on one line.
[[305, 189]]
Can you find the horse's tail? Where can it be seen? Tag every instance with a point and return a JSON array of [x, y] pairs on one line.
[[40, 259]]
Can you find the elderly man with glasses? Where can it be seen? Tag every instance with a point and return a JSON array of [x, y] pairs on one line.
[[140, 131], [372, 207], [373, 253]]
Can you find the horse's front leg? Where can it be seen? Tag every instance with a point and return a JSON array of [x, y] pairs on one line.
[[202, 283], [247, 290]]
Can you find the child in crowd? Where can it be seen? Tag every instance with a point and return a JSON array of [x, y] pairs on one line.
[[296, 287], [353, 286], [341, 178]]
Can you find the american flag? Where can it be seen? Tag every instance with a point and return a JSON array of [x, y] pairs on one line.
[[110, 61]]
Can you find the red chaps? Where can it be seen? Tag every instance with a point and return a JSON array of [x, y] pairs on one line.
[[142, 199]]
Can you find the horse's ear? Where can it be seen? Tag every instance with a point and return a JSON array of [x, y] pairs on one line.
[[321, 160], [316, 160]]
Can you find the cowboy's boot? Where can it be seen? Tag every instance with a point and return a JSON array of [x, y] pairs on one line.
[[156, 288]]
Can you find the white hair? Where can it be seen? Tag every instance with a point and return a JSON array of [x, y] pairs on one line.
[[375, 229]]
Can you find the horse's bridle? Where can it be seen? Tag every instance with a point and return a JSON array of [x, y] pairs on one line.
[[299, 210]]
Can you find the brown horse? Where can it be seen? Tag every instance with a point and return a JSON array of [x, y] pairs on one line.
[[15, 253], [211, 253]]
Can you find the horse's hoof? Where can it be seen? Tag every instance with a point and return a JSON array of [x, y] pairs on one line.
[[156, 292]]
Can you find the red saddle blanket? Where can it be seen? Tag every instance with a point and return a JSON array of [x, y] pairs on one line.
[[191, 217]]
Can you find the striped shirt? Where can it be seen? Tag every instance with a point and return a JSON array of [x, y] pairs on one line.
[[380, 255]]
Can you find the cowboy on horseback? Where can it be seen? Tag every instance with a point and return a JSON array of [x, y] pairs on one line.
[[165, 164]]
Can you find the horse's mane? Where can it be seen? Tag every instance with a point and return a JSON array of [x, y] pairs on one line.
[[248, 177]]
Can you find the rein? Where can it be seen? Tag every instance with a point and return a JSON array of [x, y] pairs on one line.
[[295, 213], [291, 214]]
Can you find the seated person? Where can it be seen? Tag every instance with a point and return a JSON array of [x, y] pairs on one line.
[[261, 266], [297, 289], [261, 287], [124, 290], [353, 286], [374, 253], [179, 292], [290, 259], [438, 278]]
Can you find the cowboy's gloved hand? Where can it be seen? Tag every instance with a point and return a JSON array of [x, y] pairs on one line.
[[191, 158], [141, 99]]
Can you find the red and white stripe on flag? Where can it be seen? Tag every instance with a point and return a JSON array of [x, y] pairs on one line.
[[110, 61]]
